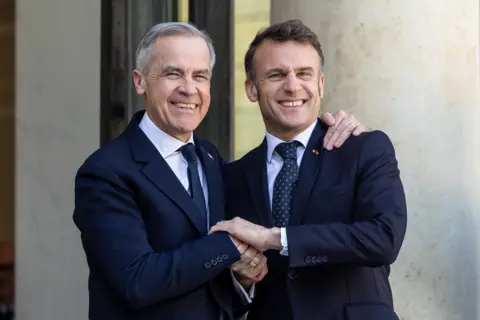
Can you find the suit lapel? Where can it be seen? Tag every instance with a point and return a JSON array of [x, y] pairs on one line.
[[309, 171], [257, 184], [214, 183], [160, 174]]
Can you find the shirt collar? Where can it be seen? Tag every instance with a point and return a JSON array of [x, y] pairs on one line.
[[165, 143], [273, 142]]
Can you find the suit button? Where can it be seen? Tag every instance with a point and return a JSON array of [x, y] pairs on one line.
[[318, 259], [325, 258], [214, 262], [219, 259], [313, 259], [292, 274], [308, 259], [225, 256], [208, 264]]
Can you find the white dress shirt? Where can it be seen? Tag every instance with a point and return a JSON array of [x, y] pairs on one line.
[[275, 163], [168, 147]]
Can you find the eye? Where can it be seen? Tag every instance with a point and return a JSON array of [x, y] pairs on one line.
[[304, 74], [274, 76], [200, 77], [173, 75]]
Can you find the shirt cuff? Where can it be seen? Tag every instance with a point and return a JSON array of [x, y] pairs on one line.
[[284, 242], [247, 297]]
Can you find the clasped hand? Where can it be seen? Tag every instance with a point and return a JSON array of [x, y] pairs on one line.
[[251, 240]]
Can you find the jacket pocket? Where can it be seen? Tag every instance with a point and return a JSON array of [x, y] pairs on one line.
[[369, 311]]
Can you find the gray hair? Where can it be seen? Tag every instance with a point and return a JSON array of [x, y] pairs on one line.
[[144, 49]]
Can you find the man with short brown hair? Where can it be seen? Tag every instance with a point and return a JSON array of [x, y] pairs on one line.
[[330, 222]]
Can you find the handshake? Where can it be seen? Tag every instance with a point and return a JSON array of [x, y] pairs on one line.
[[251, 240]]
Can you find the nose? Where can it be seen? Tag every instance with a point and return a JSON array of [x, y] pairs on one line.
[[292, 83], [188, 88]]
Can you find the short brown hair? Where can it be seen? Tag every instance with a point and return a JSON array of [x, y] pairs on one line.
[[290, 30]]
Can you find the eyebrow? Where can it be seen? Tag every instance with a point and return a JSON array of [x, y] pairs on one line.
[[172, 69], [304, 69], [275, 70], [201, 71], [169, 69], [283, 71]]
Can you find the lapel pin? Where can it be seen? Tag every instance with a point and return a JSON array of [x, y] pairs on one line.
[[211, 157], [315, 151]]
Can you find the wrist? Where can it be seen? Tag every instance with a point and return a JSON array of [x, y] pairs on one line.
[[274, 239], [246, 283]]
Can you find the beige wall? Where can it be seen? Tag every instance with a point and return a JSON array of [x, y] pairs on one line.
[[57, 126], [411, 68], [250, 16], [7, 17]]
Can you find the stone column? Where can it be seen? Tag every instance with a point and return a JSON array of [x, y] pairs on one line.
[[57, 124], [411, 69]]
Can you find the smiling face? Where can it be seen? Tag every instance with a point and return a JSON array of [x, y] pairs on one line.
[[288, 86], [176, 84]]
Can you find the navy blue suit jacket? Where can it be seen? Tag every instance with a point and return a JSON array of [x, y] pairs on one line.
[[348, 224], [147, 248]]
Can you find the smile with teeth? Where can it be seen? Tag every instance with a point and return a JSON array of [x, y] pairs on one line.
[[290, 104], [181, 105]]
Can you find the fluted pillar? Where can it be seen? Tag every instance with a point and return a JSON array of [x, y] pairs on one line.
[[411, 68]]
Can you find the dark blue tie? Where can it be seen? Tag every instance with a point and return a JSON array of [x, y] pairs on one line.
[[196, 191], [285, 183]]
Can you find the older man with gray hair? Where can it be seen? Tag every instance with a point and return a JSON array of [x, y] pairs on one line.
[[145, 201]]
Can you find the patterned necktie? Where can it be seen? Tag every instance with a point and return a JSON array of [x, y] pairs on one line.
[[196, 191], [285, 183]]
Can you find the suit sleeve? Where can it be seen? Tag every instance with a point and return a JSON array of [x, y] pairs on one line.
[[115, 240], [380, 216]]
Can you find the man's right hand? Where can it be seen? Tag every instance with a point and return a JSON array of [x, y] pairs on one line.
[[252, 266]]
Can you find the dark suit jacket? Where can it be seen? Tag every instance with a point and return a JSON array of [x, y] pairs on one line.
[[348, 224], [146, 245]]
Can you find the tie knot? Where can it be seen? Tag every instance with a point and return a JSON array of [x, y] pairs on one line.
[[288, 150], [189, 153]]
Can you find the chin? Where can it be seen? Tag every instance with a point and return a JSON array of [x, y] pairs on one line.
[[188, 122], [296, 122], [185, 129]]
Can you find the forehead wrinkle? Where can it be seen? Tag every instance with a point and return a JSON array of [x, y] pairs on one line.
[[162, 59], [286, 56]]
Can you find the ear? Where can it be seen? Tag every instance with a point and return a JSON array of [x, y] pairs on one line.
[[139, 82], [320, 85], [251, 90]]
